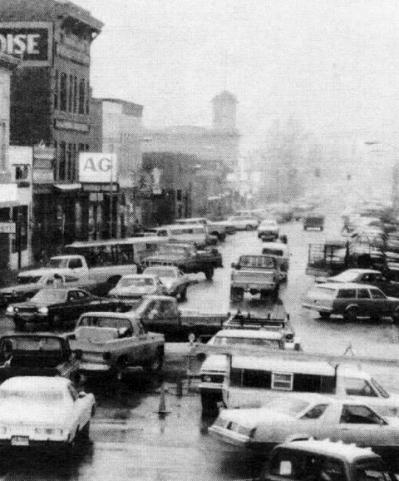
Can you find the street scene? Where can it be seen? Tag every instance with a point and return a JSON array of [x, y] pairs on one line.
[[199, 241]]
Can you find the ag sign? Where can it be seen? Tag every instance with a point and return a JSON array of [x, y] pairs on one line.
[[31, 42], [98, 168]]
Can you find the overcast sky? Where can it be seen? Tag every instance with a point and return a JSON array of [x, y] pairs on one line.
[[332, 64]]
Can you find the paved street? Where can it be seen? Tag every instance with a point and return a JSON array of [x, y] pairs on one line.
[[131, 441]]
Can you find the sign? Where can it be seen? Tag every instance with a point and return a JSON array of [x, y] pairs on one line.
[[7, 228], [156, 181], [31, 42], [98, 168]]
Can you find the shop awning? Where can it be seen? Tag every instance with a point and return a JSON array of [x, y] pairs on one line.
[[68, 187]]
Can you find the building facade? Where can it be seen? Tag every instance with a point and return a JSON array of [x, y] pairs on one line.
[[117, 129], [50, 108]]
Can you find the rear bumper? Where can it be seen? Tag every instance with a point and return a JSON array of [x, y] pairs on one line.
[[35, 444], [250, 286]]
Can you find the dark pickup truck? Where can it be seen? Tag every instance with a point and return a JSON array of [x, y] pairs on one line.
[[187, 258], [161, 314]]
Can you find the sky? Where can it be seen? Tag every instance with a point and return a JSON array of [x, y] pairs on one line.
[[331, 64]]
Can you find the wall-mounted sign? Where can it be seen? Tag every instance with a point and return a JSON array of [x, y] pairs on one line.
[[31, 42], [98, 168], [7, 228]]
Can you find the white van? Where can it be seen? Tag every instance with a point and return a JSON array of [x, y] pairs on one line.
[[196, 233], [252, 381]]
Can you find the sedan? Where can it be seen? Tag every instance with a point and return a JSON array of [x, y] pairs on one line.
[[299, 417], [243, 223], [268, 230], [174, 281], [43, 411], [55, 306], [365, 276], [136, 286]]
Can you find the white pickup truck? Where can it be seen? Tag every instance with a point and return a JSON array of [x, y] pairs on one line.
[[76, 265]]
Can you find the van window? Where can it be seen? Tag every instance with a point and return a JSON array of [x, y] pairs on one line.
[[315, 412], [358, 387], [282, 381], [363, 294], [250, 378], [377, 294], [314, 383], [346, 294]]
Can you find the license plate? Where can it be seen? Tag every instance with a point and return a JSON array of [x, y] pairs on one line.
[[20, 441]]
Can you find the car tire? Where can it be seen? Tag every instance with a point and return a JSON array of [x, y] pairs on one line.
[[351, 314], [324, 315], [395, 315], [156, 363], [209, 273]]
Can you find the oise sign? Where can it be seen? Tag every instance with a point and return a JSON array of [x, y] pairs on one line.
[[31, 42], [98, 168]]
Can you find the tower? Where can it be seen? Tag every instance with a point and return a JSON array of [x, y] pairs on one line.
[[224, 111]]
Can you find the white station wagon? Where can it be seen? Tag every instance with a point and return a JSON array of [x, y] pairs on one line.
[[43, 411]]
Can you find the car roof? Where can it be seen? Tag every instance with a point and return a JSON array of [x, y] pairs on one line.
[[35, 383], [154, 267], [114, 315], [349, 452], [361, 271], [345, 285], [139, 276]]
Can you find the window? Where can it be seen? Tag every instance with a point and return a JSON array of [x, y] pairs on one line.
[[358, 414], [73, 296], [314, 383], [82, 96], [81, 295], [315, 412], [253, 378], [377, 294], [87, 102], [75, 263], [56, 89], [75, 95], [63, 92], [70, 94], [358, 387], [61, 161], [346, 294], [372, 470], [20, 217], [363, 294], [282, 381]]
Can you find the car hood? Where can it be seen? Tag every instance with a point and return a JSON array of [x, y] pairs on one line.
[[19, 288], [30, 412], [252, 418], [215, 362], [126, 291]]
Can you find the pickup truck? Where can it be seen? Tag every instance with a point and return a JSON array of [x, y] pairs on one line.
[[114, 343], [76, 265], [217, 229], [28, 285], [161, 314], [187, 258], [256, 274]]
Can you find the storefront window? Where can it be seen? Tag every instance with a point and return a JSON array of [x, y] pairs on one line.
[[63, 92], [82, 96]]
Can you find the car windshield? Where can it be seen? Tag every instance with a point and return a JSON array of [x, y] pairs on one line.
[[136, 282], [257, 261], [161, 272], [323, 292], [112, 322], [347, 276], [372, 470], [31, 344], [58, 263], [50, 396], [247, 341], [50, 296], [287, 406], [28, 279], [272, 252]]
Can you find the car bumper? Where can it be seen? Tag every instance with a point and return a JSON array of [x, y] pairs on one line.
[[248, 287], [24, 442], [315, 307], [89, 368], [229, 437]]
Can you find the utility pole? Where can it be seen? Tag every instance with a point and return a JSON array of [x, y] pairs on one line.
[[111, 198]]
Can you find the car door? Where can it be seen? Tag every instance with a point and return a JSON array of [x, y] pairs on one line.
[[364, 301], [380, 303], [361, 425]]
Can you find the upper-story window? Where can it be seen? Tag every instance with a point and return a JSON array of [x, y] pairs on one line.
[[63, 92], [87, 98], [56, 89], [70, 96], [82, 96], [75, 95]]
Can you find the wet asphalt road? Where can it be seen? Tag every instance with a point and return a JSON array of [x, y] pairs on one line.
[[129, 441]]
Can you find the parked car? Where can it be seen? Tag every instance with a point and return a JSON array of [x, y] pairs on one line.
[[371, 277], [37, 355], [243, 223], [324, 460], [256, 274], [44, 412], [135, 286], [113, 343], [306, 416], [174, 281], [281, 253], [268, 230], [214, 228], [56, 306], [196, 233], [351, 301], [29, 285]]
